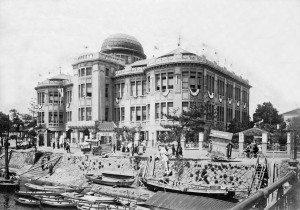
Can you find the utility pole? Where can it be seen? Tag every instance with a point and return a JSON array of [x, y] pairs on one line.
[[6, 153]]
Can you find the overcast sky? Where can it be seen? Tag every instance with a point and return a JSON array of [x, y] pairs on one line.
[[261, 39]]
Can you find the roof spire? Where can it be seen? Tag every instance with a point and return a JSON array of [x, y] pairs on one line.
[[179, 39], [59, 69]]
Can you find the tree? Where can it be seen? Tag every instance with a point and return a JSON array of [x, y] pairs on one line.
[[294, 124], [189, 121], [4, 124], [128, 134], [17, 124], [267, 113]]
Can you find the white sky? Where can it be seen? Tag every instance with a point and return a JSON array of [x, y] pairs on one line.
[[260, 38]]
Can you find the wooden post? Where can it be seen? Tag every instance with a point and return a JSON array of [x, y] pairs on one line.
[[241, 142]]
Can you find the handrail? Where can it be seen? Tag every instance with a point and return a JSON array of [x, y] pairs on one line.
[[263, 193], [40, 165]]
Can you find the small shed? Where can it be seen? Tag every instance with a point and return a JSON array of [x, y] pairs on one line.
[[220, 140]]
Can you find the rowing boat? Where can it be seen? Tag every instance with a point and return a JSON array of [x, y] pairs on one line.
[[27, 201], [35, 193], [110, 181], [58, 203], [117, 175], [88, 198], [48, 188]]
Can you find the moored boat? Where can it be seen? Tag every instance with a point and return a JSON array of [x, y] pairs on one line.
[[27, 201], [88, 198], [117, 175], [36, 193], [191, 189], [61, 203], [110, 181], [48, 188]]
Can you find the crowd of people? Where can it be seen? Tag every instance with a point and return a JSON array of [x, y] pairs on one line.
[[253, 149], [64, 145]]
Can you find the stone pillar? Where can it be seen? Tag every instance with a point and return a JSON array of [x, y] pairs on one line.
[[45, 138], [55, 138], [182, 142], [76, 135], [201, 138], [241, 142], [92, 136], [288, 144], [264, 142], [81, 137], [72, 137]]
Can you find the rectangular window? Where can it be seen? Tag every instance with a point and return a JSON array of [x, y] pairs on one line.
[[245, 97], [132, 113], [82, 91], [237, 115], [164, 82], [199, 80], [82, 114], [117, 112], [122, 114], [122, 89], [229, 91], [157, 111], [82, 72], [148, 112], [139, 88], [78, 72], [210, 113], [43, 117], [132, 89], [51, 117], [170, 80], [144, 87], [193, 81], [61, 117], [163, 110], [138, 114], [210, 83], [221, 87], [148, 83], [106, 113], [107, 72], [88, 71], [220, 114], [170, 107], [51, 97], [237, 93], [157, 81], [144, 113], [106, 90], [229, 114], [55, 97], [88, 113], [185, 80], [88, 89], [185, 106]]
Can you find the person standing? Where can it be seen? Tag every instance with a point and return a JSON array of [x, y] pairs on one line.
[[65, 144], [179, 150], [173, 150], [229, 149], [114, 148], [53, 145]]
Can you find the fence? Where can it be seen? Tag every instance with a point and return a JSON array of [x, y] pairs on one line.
[[283, 199]]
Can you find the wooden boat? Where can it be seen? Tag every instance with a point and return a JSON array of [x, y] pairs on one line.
[[27, 201], [48, 188], [88, 198], [86, 206], [61, 203], [110, 181], [117, 175], [36, 193], [209, 191]]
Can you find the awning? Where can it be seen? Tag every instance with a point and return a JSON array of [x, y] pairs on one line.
[[178, 201], [106, 126], [254, 132]]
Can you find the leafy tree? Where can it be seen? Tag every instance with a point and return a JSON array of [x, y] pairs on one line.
[[189, 122], [4, 123], [128, 134], [267, 113], [294, 124]]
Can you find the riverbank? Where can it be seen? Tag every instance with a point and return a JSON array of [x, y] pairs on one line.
[[73, 167]]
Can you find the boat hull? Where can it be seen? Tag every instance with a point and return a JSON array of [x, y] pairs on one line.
[[214, 193], [110, 182], [27, 202]]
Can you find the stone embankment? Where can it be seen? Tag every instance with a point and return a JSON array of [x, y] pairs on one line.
[[72, 169]]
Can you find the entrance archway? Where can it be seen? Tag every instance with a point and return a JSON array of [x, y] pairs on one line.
[[68, 134], [86, 132]]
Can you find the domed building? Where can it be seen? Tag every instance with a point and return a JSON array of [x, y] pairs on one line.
[[119, 87]]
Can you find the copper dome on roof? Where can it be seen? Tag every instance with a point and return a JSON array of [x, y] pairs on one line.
[[122, 42]]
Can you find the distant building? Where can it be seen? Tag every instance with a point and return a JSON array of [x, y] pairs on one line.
[[118, 86], [291, 114]]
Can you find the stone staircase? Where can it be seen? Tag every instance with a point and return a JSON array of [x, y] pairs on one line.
[[36, 170]]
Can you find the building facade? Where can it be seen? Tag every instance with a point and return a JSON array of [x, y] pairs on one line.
[[118, 86]]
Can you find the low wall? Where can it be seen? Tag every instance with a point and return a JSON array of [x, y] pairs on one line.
[[19, 159]]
